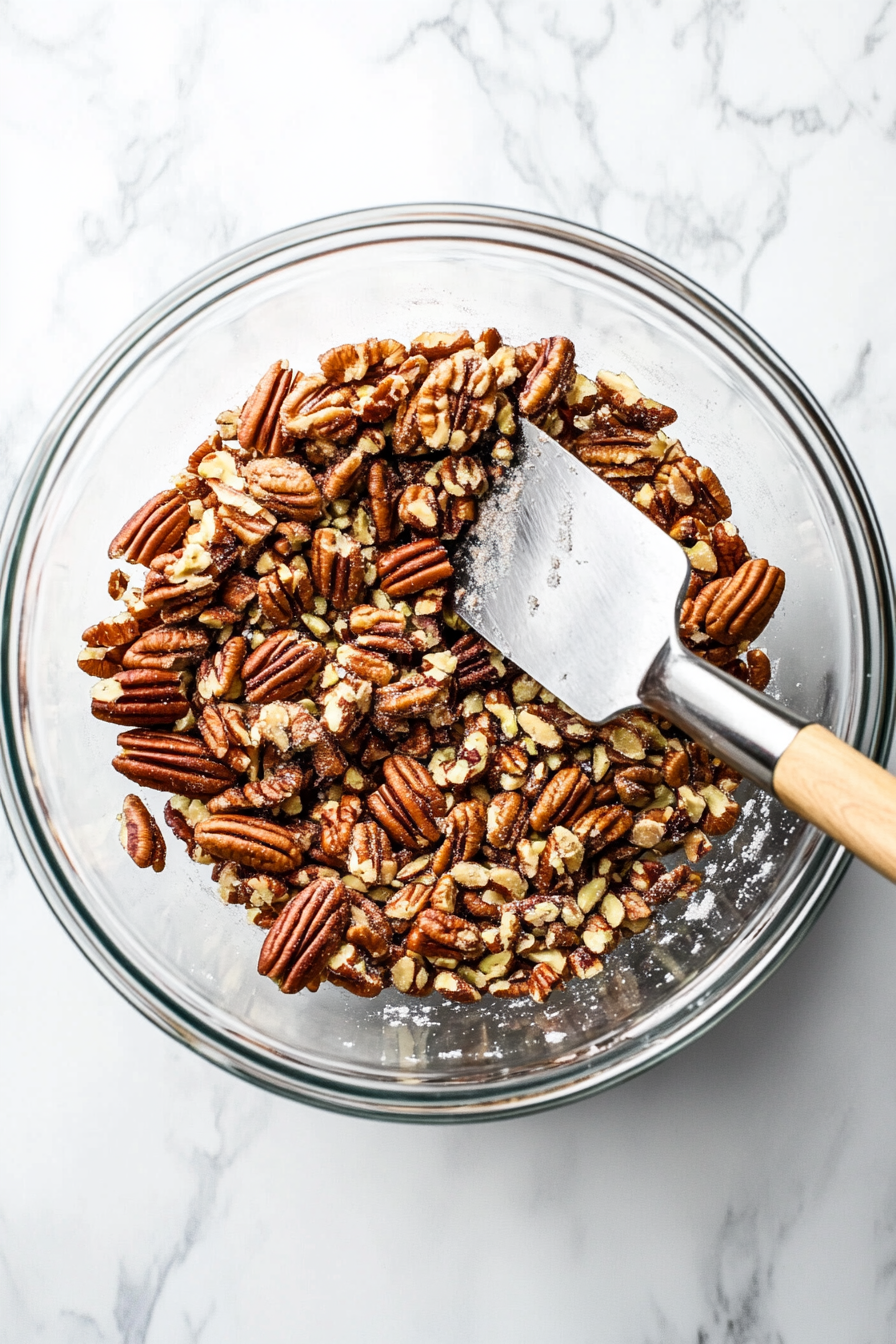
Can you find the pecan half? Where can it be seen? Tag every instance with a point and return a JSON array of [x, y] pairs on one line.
[[437, 935], [345, 477], [260, 429], [284, 782], [337, 567], [440, 344], [370, 855], [305, 934], [172, 762], [565, 797], [456, 401], [550, 377], [217, 676], [337, 822], [506, 820], [316, 409], [629, 404], [155, 528], [464, 831], [350, 363], [286, 487], [141, 697], [251, 841], [140, 836], [382, 486], [408, 803], [168, 649], [602, 826], [411, 568], [281, 667], [744, 604], [474, 666]]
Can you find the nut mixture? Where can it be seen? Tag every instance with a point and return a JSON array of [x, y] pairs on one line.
[[391, 800]]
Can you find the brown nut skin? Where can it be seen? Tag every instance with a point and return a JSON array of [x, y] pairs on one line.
[[140, 836], [411, 568], [281, 667], [156, 527], [566, 796], [260, 429], [305, 934], [171, 762], [408, 803], [251, 841], [149, 698]]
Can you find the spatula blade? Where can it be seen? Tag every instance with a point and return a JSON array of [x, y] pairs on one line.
[[570, 580]]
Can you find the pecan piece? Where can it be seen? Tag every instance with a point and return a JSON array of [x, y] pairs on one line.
[[260, 429], [337, 567], [167, 649], [337, 821], [382, 487], [365, 663], [370, 855], [440, 344], [281, 667], [173, 763], [602, 826], [251, 841], [142, 697], [284, 782], [155, 528], [542, 980], [439, 936], [348, 969], [369, 927], [217, 676], [416, 693], [350, 363], [743, 606], [411, 568], [564, 799], [506, 820], [305, 935], [140, 836], [474, 666], [456, 401], [286, 487], [342, 478], [454, 987], [316, 409], [629, 404], [549, 378], [408, 803], [464, 831], [418, 508]]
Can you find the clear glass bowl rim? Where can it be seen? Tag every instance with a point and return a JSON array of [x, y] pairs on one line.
[[874, 725]]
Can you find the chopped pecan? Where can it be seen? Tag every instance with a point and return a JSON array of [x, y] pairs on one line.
[[419, 509], [543, 979], [285, 487], [217, 676], [456, 987], [411, 568], [140, 836], [416, 693], [440, 344], [172, 762], [155, 528], [281, 667], [629, 405], [509, 767], [305, 935], [337, 567], [635, 785], [408, 803], [549, 378], [284, 782], [142, 697], [337, 821], [260, 429]]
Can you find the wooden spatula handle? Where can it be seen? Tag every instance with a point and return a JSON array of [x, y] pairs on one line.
[[843, 793]]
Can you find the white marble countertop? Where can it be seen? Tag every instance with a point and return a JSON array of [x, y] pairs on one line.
[[745, 1191]]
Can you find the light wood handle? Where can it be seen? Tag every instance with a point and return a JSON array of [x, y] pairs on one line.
[[842, 793]]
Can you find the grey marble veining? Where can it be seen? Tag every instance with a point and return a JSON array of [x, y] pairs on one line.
[[745, 1191]]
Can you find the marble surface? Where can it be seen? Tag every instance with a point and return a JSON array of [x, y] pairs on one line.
[[744, 1191]]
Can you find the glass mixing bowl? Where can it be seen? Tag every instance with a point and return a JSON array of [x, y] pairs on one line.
[[166, 942]]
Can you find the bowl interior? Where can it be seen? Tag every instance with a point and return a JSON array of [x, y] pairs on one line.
[[157, 396]]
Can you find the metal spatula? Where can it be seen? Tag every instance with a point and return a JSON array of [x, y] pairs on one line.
[[582, 591]]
